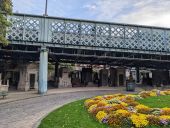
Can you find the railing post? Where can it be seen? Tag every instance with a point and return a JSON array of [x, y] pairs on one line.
[[43, 71]]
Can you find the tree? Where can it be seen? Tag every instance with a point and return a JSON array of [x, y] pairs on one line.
[[5, 9]]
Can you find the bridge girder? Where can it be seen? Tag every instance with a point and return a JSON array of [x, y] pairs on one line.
[[86, 56]]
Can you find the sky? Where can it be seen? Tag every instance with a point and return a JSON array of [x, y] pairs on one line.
[[143, 12]]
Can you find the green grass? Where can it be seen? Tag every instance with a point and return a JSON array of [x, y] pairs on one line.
[[156, 102], [73, 115]]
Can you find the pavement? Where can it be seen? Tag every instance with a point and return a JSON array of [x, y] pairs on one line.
[[26, 109], [21, 95]]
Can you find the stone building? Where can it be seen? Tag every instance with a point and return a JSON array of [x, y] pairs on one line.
[[24, 76]]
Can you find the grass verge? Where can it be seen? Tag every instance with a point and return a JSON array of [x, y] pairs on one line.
[[73, 115], [156, 102]]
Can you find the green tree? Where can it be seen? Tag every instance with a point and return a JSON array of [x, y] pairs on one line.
[[5, 9]]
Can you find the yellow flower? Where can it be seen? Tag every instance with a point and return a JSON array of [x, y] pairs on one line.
[[143, 109], [130, 95], [114, 104], [141, 106], [100, 115], [153, 94], [139, 120], [165, 111], [164, 117], [167, 92], [118, 107], [98, 97], [162, 93], [123, 113], [102, 103], [124, 104], [90, 102], [92, 107]]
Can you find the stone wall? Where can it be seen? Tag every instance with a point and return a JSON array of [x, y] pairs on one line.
[[65, 79], [121, 76], [25, 71]]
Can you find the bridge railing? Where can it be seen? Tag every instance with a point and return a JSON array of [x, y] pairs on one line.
[[62, 31]]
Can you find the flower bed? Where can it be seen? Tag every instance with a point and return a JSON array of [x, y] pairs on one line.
[[120, 110]]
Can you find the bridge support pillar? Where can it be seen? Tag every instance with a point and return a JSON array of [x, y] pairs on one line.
[[43, 71], [56, 75], [137, 75], [113, 77], [104, 77], [121, 76]]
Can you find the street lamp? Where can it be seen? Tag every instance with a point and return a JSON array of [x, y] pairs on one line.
[[46, 5]]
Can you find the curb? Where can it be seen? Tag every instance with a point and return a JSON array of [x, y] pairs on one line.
[[35, 125]]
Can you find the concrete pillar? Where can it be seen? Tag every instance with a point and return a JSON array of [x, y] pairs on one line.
[[23, 84], [65, 80], [43, 71], [0, 79], [56, 75], [137, 75], [36, 81], [113, 77], [86, 76], [121, 76], [104, 77]]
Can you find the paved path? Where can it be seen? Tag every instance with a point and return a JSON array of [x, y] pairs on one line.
[[26, 113], [19, 95]]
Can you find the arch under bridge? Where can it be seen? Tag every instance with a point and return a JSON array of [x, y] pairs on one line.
[[55, 39]]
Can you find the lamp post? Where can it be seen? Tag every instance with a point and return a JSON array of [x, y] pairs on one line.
[[46, 5]]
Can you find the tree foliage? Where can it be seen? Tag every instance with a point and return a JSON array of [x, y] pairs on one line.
[[5, 9]]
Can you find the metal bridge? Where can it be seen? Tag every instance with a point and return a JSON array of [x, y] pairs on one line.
[[84, 41], [62, 32]]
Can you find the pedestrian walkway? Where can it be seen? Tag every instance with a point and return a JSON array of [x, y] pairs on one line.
[[26, 109], [18, 95]]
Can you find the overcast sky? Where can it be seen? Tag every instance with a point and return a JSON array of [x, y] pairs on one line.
[[144, 12]]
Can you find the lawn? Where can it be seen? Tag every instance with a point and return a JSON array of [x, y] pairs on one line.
[[156, 102], [73, 115]]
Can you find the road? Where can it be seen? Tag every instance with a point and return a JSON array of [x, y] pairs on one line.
[[26, 113]]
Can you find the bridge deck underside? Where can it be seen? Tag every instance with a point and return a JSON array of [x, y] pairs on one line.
[[17, 53]]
